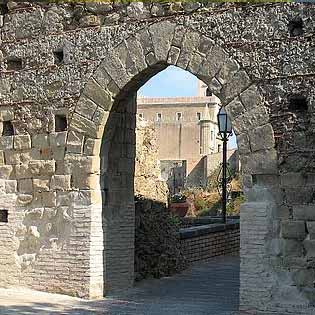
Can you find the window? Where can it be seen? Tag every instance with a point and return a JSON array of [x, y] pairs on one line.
[[60, 123], [219, 147], [141, 115], [14, 64], [4, 216], [8, 129], [199, 116], [58, 56], [297, 103], [296, 27], [211, 135], [178, 116], [158, 116]]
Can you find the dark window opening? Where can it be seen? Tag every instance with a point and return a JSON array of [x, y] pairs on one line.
[[296, 27], [178, 116], [4, 216], [208, 92], [8, 129], [58, 55], [4, 9], [297, 103], [14, 64], [60, 123], [199, 116]]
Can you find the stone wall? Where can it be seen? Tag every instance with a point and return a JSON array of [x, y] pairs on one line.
[[148, 181], [69, 75], [206, 241]]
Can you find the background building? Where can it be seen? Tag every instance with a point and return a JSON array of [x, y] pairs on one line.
[[187, 133]]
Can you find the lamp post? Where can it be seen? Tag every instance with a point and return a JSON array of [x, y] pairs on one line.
[[225, 131]]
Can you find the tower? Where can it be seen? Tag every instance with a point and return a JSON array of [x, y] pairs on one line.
[[205, 129]]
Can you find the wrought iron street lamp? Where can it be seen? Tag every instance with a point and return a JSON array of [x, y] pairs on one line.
[[225, 131]]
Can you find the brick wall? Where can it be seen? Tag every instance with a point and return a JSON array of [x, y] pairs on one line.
[[203, 242]]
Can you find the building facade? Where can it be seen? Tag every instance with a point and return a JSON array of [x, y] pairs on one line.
[[186, 126]]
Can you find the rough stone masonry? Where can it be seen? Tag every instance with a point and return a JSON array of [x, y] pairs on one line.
[[69, 74]]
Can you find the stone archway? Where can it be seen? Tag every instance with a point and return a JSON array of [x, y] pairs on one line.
[[107, 103]]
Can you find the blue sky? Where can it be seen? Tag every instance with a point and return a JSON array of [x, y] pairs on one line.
[[171, 82]]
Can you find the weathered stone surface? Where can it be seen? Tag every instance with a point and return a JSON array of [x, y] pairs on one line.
[[22, 142], [251, 97], [60, 182], [304, 212], [262, 138], [293, 229]]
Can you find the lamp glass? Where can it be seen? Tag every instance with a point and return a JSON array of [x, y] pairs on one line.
[[225, 126]]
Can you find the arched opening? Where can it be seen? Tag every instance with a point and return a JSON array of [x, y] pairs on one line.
[[113, 89], [187, 146]]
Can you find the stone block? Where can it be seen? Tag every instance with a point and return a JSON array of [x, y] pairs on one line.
[[173, 55], [25, 185], [189, 44], [85, 126], [195, 62], [75, 142], [6, 171], [48, 198], [57, 139], [2, 160], [303, 195], [82, 181], [309, 246], [235, 108], [292, 179], [22, 142], [136, 53], [10, 186], [24, 199], [40, 184], [58, 153], [262, 138], [304, 212], [261, 162], [40, 141], [6, 143], [229, 68], [22, 171], [92, 146], [251, 97], [60, 182], [243, 144], [86, 107], [6, 114], [234, 86], [42, 167], [293, 229], [97, 95], [162, 36], [292, 248]]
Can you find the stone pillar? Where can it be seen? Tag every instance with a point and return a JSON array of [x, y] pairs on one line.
[[205, 129]]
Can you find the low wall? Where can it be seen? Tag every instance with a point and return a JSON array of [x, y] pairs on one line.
[[206, 241]]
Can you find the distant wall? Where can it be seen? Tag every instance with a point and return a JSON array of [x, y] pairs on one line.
[[214, 160], [206, 241]]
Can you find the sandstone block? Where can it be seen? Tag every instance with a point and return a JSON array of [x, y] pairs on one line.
[[82, 181], [22, 142], [10, 186], [251, 97], [58, 153], [229, 68], [136, 53], [293, 229], [162, 36], [24, 199], [235, 108], [292, 248], [262, 138], [309, 246], [42, 167], [92, 146], [189, 44], [85, 126], [6, 143], [86, 107], [60, 182], [48, 198], [40, 141], [25, 185], [40, 184], [6, 171], [57, 139], [6, 114], [75, 142], [304, 212], [243, 144], [22, 171]]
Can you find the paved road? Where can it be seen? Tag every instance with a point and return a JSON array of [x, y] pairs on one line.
[[210, 288]]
